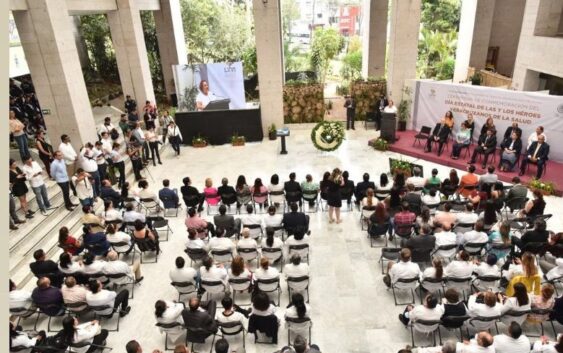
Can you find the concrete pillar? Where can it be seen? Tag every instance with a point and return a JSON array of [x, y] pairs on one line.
[[171, 41], [130, 51], [269, 52], [45, 31], [80, 43], [474, 35], [374, 38], [403, 45]]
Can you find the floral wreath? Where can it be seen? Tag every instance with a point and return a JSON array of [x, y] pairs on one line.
[[327, 136]]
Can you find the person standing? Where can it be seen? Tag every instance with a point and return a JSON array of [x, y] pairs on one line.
[[90, 166], [152, 139], [334, 198], [17, 129], [350, 106], [70, 157], [118, 162], [100, 156], [19, 188], [34, 173], [58, 171], [174, 137], [14, 219], [140, 136], [45, 151], [130, 104], [165, 121], [382, 103], [84, 187]]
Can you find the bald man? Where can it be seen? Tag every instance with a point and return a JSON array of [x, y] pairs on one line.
[[483, 343], [47, 298], [115, 266], [198, 318]]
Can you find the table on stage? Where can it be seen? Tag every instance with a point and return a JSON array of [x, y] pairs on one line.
[[219, 125]]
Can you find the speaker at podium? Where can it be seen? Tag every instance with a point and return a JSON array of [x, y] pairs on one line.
[[388, 126]]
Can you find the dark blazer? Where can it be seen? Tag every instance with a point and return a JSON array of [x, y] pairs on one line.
[[293, 221], [509, 130], [49, 300], [226, 222], [491, 143], [517, 145], [347, 189], [443, 134], [517, 191], [168, 197], [418, 245], [200, 320], [109, 193], [414, 199], [385, 103], [227, 190], [292, 187], [40, 268], [543, 152], [189, 191], [361, 189]]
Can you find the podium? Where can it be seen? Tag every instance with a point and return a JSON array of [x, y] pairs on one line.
[[222, 104], [388, 126], [283, 133]]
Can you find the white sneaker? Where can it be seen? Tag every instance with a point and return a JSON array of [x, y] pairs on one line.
[[44, 213]]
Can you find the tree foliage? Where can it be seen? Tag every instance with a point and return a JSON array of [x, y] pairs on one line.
[[96, 34], [440, 15], [290, 13], [153, 53], [326, 45], [352, 65]]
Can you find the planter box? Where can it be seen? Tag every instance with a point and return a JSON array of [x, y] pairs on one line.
[[238, 143], [199, 144], [406, 172], [272, 136]]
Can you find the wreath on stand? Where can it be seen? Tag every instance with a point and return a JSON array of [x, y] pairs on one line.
[[327, 136]]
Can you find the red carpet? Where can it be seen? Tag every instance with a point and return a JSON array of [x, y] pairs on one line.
[[405, 146]]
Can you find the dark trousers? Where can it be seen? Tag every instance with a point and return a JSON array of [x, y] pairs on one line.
[[98, 340], [137, 166], [121, 169], [350, 118], [210, 307], [66, 193], [96, 183], [485, 151], [175, 143], [429, 144], [121, 300], [456, 149], [539, 163], [154, 151], [378, 119], [145, 153], [47, 162], [103, 171]]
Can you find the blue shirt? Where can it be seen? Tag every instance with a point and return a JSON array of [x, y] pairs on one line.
[[58, 171]]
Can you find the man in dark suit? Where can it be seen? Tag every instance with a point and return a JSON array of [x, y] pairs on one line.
[[361, 188], [294, 220], [381, 104], [228, 193], [292, 190], [516, 191], [130, 104], [509, 130], [49, 268], [109, 193], [202, 321], [486, 145], [440, 135], [537, 154], [227, 222], [413, 198], [168, 196], [421, 245], [350, 105], [47, 298]]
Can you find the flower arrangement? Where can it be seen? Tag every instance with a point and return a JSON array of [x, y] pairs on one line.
[[327, 135], [381, 144], [545, 187], [400, 166], [237, 140], [199, 141]]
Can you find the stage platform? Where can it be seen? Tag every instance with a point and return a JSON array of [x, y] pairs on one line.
[[404, 145]]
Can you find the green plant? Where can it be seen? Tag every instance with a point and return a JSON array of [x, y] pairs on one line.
[[236, 138], [272, 128], [403, 110], [547, 187], [326, 45], [476, 78], [381, 144], [199, 140], [328, 135]]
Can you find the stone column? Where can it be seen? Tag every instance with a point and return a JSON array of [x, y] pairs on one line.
[[403, 45], [171, 41], [47, 39], [269, 52], [130, 51], [474, 34], [374, 38]]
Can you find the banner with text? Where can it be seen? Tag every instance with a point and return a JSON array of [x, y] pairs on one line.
[[224, 81], [528, 109]]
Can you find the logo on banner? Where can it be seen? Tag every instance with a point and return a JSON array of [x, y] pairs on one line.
[[229, 68], [432, 93]]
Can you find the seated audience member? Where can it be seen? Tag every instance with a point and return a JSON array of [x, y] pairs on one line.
[[25, 339], [544, 301], [115, 266], [243, 191], [308, 186], [538, 154], [194, 242], [478, 197], [517, 191], [201, 226], [433, 181], [509, 152], [69, 267], [460, 267], [468, 182], [91, 265], [487, 268], [519, 301], [490, 177], [384, 185], [295, 221], [69, 243], [265, 271], [228, 315], [462, 139], [380, 222], [246, 242], [477, 235], [432, 197], [346, 187], [47, 298], [418, 245], [403, 269], [544, 345], [299, 238], [74, 332], [369, 203], [439, 135], [272, 242], [201, 317], [534, 207], [297, 309], [74, 293], [259, 193], [221, 243], [252, 219], [445, 218], [362, 187], [295, 269], [535, 136], [146, 236], [453, 306], [500, 236], [109, 213], [212, 273], [211, 193], [413, 198], [261, 305], [529, 276], [19, 298], [513, 341], [100, 297], [430, 310], [537, 235], [483, 343], [227, 193], [292, 190], [403, 218], [227, 222], [483, 304], [424, 218], [109, 193], [444, 236], [192, 197], [275, 189], [513, 128], [131, 215], [146, 193], [489, 125], [182, 273], [115, 236], [168, 196], [468, 216], [300, 346], [436, 271], [45, 268], [169, 312], [416, 180], [556, 272], [239, 269], [89, 218]]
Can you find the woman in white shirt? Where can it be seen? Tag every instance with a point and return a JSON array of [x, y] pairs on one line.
[[520, 301], [276, 187], [194, 242], [434, 272], [74, 332], [21, 339], [261, 305], [272, 242], [247, 243], [543, 345], [266, 272], [485, 307], [298, 310], [461, 267], [91, 266], [369, 203], [432, 198], [431, 310], [114, 236], [212, 273], [239, 270], [109, 213], [67, 266], [251, 219], [167, 312], [390, 108]]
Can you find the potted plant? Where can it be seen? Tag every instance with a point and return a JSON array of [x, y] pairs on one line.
[[545, 187], [381, 144], [199, 141], [272, 130], [237, 140], [403, 110], [400, 166], [476, 79]]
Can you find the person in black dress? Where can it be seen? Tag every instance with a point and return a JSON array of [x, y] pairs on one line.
[[45, 151], [19, 188], [334, 198]]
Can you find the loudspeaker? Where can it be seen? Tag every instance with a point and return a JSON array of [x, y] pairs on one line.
[[174, 100], [388, 126]]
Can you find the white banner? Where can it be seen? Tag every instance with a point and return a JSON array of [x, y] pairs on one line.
[[225, 81], [528, 109]]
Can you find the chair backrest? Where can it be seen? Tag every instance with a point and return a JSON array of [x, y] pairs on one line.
[[184, 287], [75, 305], [517, 313], [212, 286], [228, 198], [233, 327], [536, 248], [220, 252], [390, 253], [426, 130], [408, 280], [459, 279], [446, 247], [196, 254], [240, 283], [298, 324], [159, 222], [100, 309], [310, 193], [293, 280], [454, 321], [170, 326], [276, 193], [265, 281], [114, 222], [404, 230]]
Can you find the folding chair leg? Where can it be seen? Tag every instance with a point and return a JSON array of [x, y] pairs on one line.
[[412, 335]]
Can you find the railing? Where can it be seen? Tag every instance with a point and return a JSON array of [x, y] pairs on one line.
[[490, 79]]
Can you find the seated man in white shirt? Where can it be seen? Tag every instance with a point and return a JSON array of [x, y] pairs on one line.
[[19, 298], [246, 242], [102, 297], [74, 293], [466, 217], [220, 243], [296, 269], [265, 271], [130, 215], [251, 219], [115, 266], [182, 273], [483, 343], [461, 267], [512, 342], [477, 235], [417, 180], [443, 238], [229, 315], [487, 268], [402, 269], [195, 242], [115, 236], [483, 304]]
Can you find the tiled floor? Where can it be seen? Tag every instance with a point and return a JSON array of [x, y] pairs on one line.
[[352, 310]]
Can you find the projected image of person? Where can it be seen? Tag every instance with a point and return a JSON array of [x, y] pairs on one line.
[[204, 96]]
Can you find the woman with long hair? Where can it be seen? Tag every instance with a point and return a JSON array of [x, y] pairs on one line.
[[384, 186], [489, 216], [259, 193], [243, 191], [272, 242], [518, 301], [75, 332], [545, 300], [501, 236], [69, 267], [275, 189], [144, 235], [19, 188], [22, 339], [297, 309], [369, 203], [489, 125], [449, 119], [334, 197], [534, 207], [436, 271], [68, 243], [530, 276], [168, 312]]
